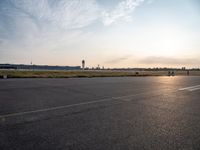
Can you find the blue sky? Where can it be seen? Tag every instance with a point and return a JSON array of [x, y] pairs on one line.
[[114, 33]]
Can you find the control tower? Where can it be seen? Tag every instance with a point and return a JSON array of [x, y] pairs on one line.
[[83, 64]]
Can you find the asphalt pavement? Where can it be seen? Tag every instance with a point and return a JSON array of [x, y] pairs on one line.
[[120, 113]]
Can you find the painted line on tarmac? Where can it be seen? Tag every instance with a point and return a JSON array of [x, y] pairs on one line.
[[69, 106], [53, 108], [194, 89], [190, 88]]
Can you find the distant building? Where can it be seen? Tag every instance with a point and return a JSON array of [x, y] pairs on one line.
[[37, 67]]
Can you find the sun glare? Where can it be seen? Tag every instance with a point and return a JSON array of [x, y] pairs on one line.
[[169, 41]]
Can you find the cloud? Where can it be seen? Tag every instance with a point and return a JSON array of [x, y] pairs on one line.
[[150, 1], [118, 60], [39, 25], [67, 14], [152, 60], [47, 24], [122, 11], [29, 21]]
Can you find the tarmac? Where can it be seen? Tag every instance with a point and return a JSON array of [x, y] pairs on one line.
[[120, 113]]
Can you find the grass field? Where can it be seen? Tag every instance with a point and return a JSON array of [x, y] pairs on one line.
[[73, 74]]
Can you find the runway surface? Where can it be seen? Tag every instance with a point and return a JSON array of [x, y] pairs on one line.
[[121, 113]]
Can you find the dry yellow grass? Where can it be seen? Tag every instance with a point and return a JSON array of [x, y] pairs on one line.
[[70, 74]]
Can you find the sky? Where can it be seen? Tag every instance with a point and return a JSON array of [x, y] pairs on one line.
[[109, 33]]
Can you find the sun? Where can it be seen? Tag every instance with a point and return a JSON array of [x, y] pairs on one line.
[[170, 41]]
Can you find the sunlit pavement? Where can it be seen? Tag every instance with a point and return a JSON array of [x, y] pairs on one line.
[[100, 113]]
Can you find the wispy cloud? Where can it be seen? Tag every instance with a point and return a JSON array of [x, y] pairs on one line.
[[150, 1], [45, 26], [56, 21], [122, 11], [118, 60], [152, 60], [67, 14], [45, 23]]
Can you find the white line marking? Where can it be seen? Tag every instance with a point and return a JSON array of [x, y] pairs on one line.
[[194, 89], [189, 88], [53, 108], [68, 106]]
